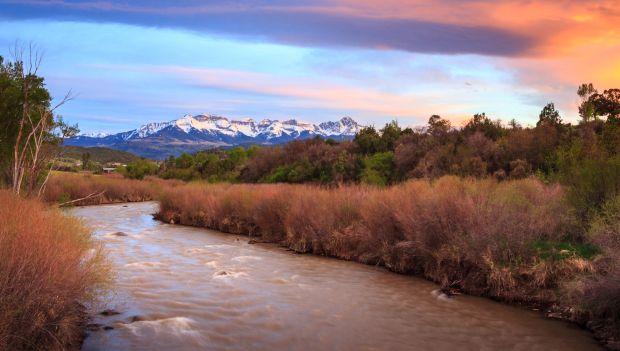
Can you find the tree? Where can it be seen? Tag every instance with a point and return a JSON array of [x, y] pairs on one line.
[[607, 104], [184, 161], [586, 108], [481, 123], [514, 124], [549, 115], [85, 160], [438, 127], [140, 169], [378, 168], [30, 128], [368, 140], [389, 134]]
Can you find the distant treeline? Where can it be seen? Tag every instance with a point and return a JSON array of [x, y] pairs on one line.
[[586, 152]]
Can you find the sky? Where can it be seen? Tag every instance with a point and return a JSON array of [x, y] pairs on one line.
[[134, 62]]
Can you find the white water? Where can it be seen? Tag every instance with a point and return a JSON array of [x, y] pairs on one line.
[[196, 289]]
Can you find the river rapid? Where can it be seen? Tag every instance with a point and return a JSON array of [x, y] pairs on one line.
[[183, 288]]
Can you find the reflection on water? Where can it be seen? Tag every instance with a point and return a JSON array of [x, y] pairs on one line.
[[185, 288]]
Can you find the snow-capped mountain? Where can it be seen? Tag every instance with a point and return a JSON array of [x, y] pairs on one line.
[[194, 133]]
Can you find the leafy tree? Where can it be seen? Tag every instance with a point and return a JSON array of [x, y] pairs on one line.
[[549, 115], [85, 160], [587, 110], [184, 161], [368, 140], [481, 123], [438, 127], [30, 130], [607, 104], [378, 168], [389, 134], [140, 169]]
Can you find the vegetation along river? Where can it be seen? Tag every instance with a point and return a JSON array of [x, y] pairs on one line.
[[187, 288]]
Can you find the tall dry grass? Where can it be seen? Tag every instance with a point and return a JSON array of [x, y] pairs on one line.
[[63, 187], [479, 236], [513, 241], [49, 267]]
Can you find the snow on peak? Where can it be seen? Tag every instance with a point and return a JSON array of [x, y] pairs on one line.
[[95, 134], [346, 126], [213, 124]]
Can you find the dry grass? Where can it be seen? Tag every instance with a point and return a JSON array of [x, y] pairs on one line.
[[475, 235], [513, 241], [49, 267], [63, 187]]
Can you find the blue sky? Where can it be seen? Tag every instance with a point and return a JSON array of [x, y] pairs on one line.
[[156, 61]]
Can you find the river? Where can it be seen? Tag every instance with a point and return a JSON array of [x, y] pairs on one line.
[[183, 288]]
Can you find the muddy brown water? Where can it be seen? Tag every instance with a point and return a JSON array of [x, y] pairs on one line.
[[197, 289]]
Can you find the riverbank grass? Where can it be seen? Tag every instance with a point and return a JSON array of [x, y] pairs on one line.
[[49, 268], [514, 241]]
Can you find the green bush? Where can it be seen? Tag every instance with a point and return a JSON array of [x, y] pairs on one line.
[[378, 168], [139, 169]]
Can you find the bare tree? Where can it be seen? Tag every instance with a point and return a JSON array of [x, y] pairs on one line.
[[38, 130]]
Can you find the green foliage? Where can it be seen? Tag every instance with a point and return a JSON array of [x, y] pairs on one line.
[[591, 179], [368, 140], [378, 168], [184, 161], [13, 78], [85, 160], [100, 155], [556, 251], [389, 135], [549, 115], [140, 169]]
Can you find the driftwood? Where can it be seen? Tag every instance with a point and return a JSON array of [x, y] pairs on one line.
[[95, 194]]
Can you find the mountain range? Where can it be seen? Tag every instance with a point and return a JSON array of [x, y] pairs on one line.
[[194, 133]]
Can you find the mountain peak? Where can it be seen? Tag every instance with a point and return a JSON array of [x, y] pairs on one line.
[[194, 133], [346, 120]]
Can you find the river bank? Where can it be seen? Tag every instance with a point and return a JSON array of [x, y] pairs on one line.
[[49, 268], [507, 241], [512, 241], [190, 288]]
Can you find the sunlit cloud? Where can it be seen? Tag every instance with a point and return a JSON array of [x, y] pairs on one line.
[[317, 60]]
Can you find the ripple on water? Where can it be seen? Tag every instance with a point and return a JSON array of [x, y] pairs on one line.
[[146, 264], [244, 259], [227, 275], [269, 299], [174, 326]]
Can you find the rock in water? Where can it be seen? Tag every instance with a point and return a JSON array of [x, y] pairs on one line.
[[93, 326], [109, 312]]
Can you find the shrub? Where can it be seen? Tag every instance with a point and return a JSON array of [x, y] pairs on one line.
[[49, 267], [513, 240], [455, 231], [63, 187], [140, 169]]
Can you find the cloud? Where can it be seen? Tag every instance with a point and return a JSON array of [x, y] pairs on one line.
[[415, 59], [329, 25], [298, 91]]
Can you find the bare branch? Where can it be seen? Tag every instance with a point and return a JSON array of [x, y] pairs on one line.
[[93, 195], [68, 97]]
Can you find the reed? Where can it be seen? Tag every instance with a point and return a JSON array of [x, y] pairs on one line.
[[49, 268], [480, 236], [63, 187]]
